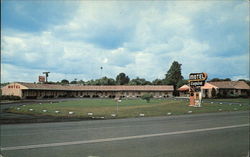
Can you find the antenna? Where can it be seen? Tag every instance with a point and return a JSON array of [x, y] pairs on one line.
[[46, 75]]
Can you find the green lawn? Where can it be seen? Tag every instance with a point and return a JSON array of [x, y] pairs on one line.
[[235, 100], [127, 108]]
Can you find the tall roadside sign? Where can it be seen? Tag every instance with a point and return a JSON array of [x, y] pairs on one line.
[[46, 76], [41, 79], [196, 80]]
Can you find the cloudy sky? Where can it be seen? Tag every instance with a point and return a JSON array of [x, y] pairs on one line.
[[73, 39]]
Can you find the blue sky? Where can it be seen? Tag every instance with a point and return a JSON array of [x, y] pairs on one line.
[[73, 39]]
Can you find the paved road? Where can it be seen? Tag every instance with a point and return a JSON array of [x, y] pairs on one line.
[[211, 135]]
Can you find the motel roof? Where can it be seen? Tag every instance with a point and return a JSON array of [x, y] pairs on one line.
[[220, 85], [230, 84], [35, 86], [184, 88]]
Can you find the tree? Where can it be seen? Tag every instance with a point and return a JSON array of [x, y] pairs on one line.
[[74, 81], [4, 84], [50, 82], [122, 79], [110, 81], [227, 79], [64, 81], [147, 97], [90, 82], [157, 82], [139, 81], [247, 81], [215, 80], [102, 81], [106, 81], [181, 83], [173, 76], [213, 92], [218, 79], [81, 82]]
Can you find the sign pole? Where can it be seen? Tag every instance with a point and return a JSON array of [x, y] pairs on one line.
[[191, 98], [200, 97], [117, 107], [196, 80]]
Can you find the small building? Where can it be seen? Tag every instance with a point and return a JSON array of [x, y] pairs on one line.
[[207, 90], [227, 89], [222, 89], [39, 91], [184, 91]]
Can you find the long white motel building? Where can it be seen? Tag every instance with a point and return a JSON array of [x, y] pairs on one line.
[[38, 91], [224, 88]]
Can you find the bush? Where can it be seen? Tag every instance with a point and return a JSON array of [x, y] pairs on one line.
[[9, 97], [232, 96], [147, 97], [243, 96], [219, 95], [31, 97], [46, 96], [62, 96], [213, 93]]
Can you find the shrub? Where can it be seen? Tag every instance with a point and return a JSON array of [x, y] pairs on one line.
[[9, 97], [213, 93], [219, 95], [147, 97], [243, 96]]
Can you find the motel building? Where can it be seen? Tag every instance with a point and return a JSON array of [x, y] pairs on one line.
[[39, 91], [223, 88]]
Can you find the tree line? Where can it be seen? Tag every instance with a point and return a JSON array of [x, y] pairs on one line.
[[172, 77]]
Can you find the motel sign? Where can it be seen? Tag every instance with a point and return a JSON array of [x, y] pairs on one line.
[[41, 79], [196, 80], [197, 76]]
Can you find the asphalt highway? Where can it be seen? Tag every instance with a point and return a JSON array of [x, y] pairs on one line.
[[200, 135]]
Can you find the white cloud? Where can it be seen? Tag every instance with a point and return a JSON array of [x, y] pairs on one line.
[[12, 73], [141, 40]]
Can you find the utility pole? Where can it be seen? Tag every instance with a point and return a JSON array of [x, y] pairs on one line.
[[46, 76], [101, 71]]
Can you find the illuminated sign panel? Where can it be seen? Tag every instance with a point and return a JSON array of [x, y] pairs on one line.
[[197, 79], [197, 76], [197, 83]]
